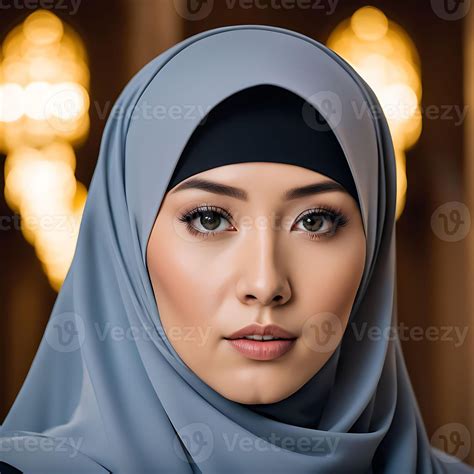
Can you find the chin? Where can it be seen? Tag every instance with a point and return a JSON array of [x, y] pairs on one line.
[[259, 395]]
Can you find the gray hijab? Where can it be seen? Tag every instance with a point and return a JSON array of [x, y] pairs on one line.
[[107, 387]]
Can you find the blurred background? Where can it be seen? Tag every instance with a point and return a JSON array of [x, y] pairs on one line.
[[63, 63]]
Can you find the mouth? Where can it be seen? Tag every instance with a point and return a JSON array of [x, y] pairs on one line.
[[262, 349], [262, 342]]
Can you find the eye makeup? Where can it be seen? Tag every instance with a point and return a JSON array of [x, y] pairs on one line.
[[327, 220], [323, 221]]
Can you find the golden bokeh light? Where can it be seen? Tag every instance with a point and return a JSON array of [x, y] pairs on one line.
[[385, 56], [369, 24], [12, 105], [44, 104], [43, 28]]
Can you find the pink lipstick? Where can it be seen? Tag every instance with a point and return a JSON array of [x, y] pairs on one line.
[[262, 342]]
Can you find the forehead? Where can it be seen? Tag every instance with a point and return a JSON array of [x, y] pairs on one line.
[[281, 182], [241, 171]]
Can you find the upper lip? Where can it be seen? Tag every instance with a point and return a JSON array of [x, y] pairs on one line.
[[257, 329]]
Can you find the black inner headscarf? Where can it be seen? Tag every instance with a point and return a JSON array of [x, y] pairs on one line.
[[265, 123]]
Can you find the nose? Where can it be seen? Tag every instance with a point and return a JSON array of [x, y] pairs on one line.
[[262, 280]]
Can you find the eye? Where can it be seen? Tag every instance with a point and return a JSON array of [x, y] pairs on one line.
[[206, 220], [322, 222]]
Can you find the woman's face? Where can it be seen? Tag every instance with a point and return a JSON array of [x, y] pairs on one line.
[[256, 254]]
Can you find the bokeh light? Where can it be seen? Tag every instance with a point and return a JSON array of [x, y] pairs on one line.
[[385, 56], [44, 105]]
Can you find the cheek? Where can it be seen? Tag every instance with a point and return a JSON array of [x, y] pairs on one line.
[[177, 278], [334, 276]]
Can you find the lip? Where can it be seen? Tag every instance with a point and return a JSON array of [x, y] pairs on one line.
[[258, 329], [262, 350]]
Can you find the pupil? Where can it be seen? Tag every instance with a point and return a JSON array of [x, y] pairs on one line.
[[210, 220], [313, 226]]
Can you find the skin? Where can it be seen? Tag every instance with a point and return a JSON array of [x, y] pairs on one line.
[[255, 270]]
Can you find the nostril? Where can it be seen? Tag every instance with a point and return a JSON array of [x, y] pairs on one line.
[[276, 298]]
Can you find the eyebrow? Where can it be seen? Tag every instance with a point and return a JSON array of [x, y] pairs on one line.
[[237, 193]]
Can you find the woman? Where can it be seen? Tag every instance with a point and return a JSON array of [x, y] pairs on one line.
[[157, 355]]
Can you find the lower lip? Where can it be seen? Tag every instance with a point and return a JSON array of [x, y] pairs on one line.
[[262, 350]]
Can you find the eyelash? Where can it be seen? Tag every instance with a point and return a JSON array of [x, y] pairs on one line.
[[336, 217]]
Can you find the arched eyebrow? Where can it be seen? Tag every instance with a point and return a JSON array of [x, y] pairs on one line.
[[237, 193]]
